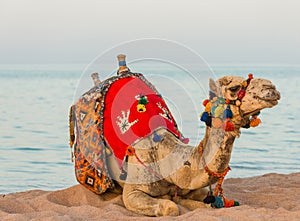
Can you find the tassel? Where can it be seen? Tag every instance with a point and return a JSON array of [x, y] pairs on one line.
[[228, 126], [218, 202], [241, 94], [228, 113], [208, 121], [156, 137], [209, 199], [255, 122], [204, 116], [123, 174]]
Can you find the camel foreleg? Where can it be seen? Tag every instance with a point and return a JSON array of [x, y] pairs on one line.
[[142, 203]]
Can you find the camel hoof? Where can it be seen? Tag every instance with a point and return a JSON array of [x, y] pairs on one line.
[[167, 208]]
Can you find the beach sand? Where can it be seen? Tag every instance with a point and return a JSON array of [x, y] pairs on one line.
[[267, 197]]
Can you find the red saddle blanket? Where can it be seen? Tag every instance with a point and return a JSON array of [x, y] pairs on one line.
[[133, 110]]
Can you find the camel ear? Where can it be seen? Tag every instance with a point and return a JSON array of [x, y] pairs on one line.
[[213, 86]]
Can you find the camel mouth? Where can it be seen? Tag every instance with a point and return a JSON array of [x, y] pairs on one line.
[[251, 113], [270, 97], [270, 94], [273, 96]]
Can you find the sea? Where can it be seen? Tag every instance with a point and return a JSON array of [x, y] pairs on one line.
[[34, 132]]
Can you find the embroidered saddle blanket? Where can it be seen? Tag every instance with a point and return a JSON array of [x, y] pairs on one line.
[[115, 114]]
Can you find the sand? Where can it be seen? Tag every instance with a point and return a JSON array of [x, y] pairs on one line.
[[267, 197]]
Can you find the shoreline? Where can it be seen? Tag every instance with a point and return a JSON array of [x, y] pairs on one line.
[[268, 197]]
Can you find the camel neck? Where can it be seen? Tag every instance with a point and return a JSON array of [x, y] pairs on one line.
[[217, 148]]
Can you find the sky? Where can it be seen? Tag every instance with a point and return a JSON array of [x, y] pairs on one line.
[[73, 31]]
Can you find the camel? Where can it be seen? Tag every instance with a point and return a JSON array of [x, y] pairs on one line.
[[160, 171]]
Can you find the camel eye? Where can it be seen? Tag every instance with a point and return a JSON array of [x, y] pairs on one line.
[[235, 89]]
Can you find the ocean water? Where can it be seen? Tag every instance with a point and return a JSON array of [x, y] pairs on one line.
[[34, 106]]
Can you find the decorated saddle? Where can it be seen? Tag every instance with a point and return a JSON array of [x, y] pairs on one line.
[[110, 117]]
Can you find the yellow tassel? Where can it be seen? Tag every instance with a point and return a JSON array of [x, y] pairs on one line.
[[255, 122]]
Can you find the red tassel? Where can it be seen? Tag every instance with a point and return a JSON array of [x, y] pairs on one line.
[[228, 126], [241, 94]]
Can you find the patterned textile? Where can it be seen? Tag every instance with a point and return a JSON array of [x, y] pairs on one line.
[[89, 150]]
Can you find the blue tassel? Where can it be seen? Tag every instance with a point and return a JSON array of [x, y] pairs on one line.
[[156, 137], [204, 116], [228, 113], [218, 202]]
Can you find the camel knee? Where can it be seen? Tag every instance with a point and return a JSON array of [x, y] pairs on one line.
[[167, 208], [141, 203]]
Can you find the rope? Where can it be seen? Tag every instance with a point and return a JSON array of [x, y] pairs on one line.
[[131, 152], [221, 176], [148, 168]]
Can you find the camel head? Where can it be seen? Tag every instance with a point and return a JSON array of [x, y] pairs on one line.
[[250, 95]]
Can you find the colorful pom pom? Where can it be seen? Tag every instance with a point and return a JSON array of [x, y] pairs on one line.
[[228, 203], [221, 100], [141, 108], [216, 122], [218, 202], [255, 122], [208, 107], [143, 100], [228, 126], [205, 102], [218, 111]]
